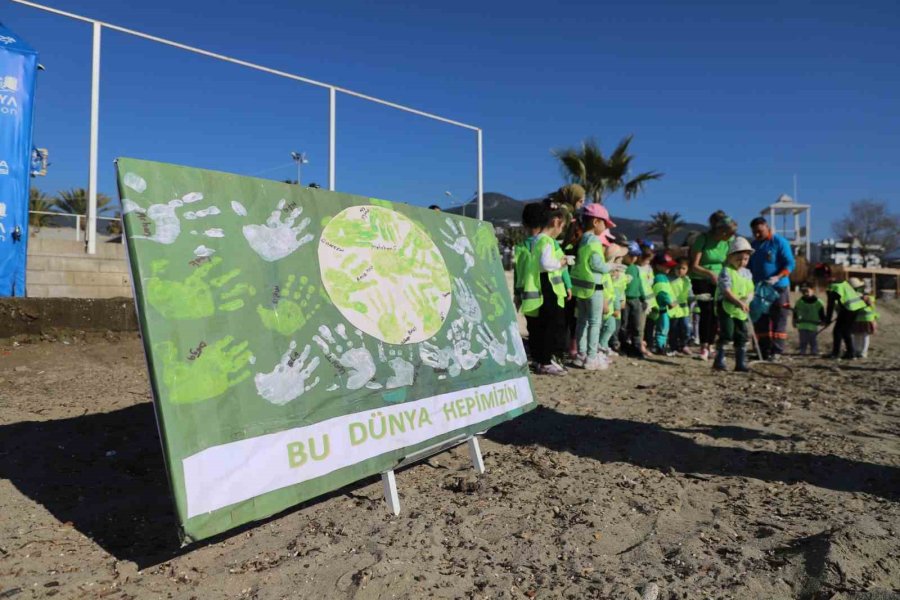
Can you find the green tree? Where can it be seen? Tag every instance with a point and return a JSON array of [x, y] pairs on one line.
[[665, 224], [75, 202], [41, 202], [601, 175]]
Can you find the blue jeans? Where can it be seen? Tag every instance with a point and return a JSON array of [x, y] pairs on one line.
[[587, 327]]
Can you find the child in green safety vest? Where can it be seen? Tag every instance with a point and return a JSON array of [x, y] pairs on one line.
[[645, 270], [620, 282], [809, 314], [734, 292], [614, 298], [664, 299], [588, 283], [864, 326], [680, 316], [543, 292], [849, 304]]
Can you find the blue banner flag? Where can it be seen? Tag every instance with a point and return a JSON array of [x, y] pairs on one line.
[[18, 64]]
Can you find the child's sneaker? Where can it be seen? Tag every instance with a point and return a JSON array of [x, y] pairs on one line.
[[557, 362], [704, 354], [596, 363], [551, 369], [579, 361], [686, 351]]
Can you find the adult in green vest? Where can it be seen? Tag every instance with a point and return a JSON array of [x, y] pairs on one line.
[[849, 303], [809, 314], [734, 292], [708, 254], [864, 326]]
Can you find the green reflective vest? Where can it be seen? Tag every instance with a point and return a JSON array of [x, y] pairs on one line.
[[609, 292], [520, 263], [742, 288], [584, 281], [647, 284], [808, 314], [847, 296], [868, 313], [681, 290], [662, 286], [531, 288]]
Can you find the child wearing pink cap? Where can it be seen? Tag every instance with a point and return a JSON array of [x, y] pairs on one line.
[[588, 283]]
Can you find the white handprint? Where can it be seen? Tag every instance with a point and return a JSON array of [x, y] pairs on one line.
[[455, 239], [404, 370], [276, 239], [288, 380], [354, 362], [495, 347], [469, 308], [168, 226], [135, 182], [518, 355], [440, 359], [460, 338]]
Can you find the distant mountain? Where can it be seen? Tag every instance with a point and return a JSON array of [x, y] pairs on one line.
[[503, 211]]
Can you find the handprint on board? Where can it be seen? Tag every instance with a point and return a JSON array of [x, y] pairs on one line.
[[164, 217], [276, 238], [206, 372], [290, 310], [353, 363], [455, 239], [288, 380], [194, 297]]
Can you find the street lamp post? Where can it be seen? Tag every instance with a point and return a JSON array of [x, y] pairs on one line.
[[300, 159], [450, 195]]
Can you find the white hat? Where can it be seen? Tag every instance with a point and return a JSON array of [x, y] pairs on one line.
[[856, 283], [739, 244]]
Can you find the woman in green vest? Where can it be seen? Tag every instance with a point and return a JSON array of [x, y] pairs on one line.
[[708, 255], [849, 304], [734, 292], [864, 326]]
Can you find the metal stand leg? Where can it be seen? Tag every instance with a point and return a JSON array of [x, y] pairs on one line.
[[390, 491], [475, 454]]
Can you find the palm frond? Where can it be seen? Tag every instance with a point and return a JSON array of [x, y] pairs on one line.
[[636, 185]]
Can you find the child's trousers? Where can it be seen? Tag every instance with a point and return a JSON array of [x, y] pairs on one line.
[[843, 332], [809, 341], [662, 331], [678, 338], [607, 331], [861, 343], [587, 328]]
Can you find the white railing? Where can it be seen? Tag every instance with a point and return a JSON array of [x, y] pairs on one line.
[[333, 90], [77, 217]]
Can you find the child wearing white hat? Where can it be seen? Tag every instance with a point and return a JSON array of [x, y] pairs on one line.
[[734, 292]]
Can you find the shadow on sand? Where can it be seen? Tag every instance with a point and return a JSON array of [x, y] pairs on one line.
[[122, 500], [654, 447]]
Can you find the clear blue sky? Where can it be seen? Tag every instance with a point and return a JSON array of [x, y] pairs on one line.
[[728, 101]]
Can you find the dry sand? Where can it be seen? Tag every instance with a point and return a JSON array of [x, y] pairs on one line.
[[653, 478]]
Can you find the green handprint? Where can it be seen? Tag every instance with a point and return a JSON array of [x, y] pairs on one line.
[[486, 242], [488, 295], [344, 282], [347, 232], [206, 373], [388, 324], [289, 311], [425, 307], [383, 222], [193, 298]]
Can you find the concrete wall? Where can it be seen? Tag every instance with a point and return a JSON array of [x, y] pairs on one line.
[[61, 269], [46, 315]]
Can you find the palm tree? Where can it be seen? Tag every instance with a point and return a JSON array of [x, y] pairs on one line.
[[665, 224], [41, 202], [75, 202], [599, 175]]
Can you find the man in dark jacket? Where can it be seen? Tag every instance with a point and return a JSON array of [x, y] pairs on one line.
[[772, 262]]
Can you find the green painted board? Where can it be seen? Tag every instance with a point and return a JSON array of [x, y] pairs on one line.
[[299, 340]]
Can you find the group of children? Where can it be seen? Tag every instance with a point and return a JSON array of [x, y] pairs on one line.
[[855, 321], [596, 295]]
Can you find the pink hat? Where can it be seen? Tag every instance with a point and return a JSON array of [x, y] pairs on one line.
[[598, 211]]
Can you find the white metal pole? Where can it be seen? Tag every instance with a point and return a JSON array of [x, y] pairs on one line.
[[92, 162], [332, 103], [808, 233], [480, 177]]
